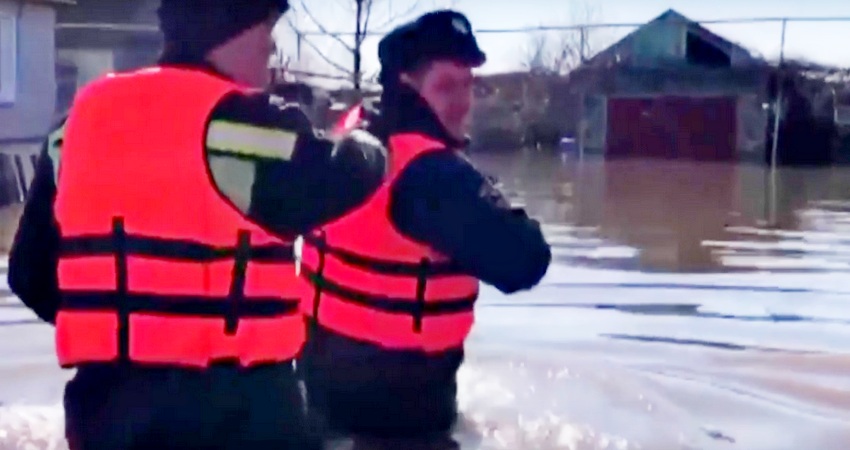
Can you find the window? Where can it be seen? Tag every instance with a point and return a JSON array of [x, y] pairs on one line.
[[8, 58], [703, 53]]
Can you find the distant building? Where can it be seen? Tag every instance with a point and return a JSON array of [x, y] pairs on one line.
[[99, 36], [27, 89], [497, 120], [512, 110], [671, 89]]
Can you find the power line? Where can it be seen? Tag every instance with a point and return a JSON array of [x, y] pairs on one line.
[[130, 27], [781, 20], [154, 28], [635, 25], [309, 74], [605, 25]]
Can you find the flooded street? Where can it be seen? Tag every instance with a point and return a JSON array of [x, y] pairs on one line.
[[692, 305], [689, 306]]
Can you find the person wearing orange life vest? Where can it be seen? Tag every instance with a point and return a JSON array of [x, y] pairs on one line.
[[158, 238], [395, 281]]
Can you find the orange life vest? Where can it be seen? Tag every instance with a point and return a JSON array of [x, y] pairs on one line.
[[156, 266], [369, 282]]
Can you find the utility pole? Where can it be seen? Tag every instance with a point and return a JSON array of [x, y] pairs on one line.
[[777, 114], [358, 39], [582, 46], [298, 38]]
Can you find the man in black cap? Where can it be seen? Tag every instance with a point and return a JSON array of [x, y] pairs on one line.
[[158, 233], [394, 282]]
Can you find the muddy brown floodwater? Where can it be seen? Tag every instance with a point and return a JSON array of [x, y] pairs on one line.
[[689, 306]]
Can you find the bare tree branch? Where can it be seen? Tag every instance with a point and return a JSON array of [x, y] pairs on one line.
[[396, 17], [567, 53], [325, 57], [561, 52], [364, 14], [368, 6], [322, 27], [534, 57], [322, 54], [557, 56], [583, 13]]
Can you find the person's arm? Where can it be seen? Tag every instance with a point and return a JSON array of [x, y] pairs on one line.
[[441, 200], [34, 257], [272, 165]]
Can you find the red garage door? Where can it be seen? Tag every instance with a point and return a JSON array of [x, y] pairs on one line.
[[701, 128]]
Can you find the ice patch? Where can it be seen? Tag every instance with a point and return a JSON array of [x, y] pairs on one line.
[[32, 427]]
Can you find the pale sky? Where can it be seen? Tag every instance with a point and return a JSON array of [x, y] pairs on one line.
[[826, 42]]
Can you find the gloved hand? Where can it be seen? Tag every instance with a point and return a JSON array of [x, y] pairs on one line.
[[362, 153], [297, 117], [491, 192]]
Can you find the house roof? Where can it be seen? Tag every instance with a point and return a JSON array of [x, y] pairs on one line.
[[672, 16]]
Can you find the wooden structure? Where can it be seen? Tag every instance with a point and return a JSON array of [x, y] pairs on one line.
[[671, 89]]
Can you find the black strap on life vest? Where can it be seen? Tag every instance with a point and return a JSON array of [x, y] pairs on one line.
[[124, 302], [320, 243], [382, 266], [176, 305], [421, 282], [416, 307], [119, 242], [388, 304], [314, 345], [237, 283], [171, 249]]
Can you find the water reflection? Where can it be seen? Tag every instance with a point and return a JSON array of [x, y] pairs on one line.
[[680, 216], [627, 357]]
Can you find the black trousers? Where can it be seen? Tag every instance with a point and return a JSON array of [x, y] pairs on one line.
[[359, 388], [223, 407], [382, 409]]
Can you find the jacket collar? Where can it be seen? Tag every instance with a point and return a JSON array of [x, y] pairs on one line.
[[191, 63], [403, 110]]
